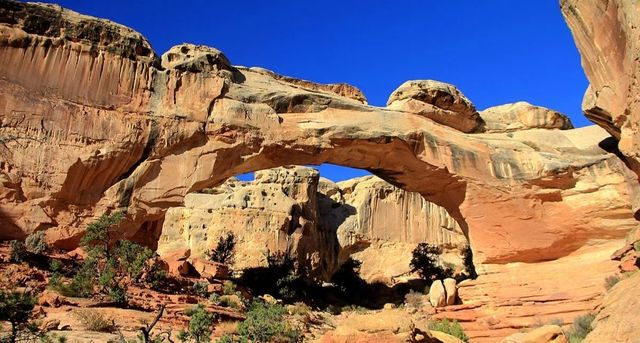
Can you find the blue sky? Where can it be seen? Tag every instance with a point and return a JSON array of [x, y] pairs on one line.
[[494, 51]]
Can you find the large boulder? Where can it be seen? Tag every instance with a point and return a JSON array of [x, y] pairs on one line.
[[438, 101], [437, 294], [451, 290], [523, 116]]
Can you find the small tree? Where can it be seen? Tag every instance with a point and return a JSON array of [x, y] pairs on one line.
[[424, 260], [224, 251], [111, 262], [200, 325], [15, 308]]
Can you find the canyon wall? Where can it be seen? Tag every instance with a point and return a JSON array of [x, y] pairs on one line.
[[92, 120]]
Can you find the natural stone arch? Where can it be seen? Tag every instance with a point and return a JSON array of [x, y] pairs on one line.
[[126, 129]]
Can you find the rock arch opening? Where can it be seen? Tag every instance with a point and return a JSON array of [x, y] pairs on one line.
[[319, 223]]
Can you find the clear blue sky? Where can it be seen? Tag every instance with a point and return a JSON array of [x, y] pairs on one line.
[[494, 51]]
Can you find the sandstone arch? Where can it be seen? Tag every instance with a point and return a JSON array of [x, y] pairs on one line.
[[126, 129]]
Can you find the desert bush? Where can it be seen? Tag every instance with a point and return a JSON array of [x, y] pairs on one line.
[[413, 299], [229, 301], [19, 251], [95, 321], [228, 287], [580, 328], [224, 251], [15, 308], [200, 325], [35, 243], [636, 246], [266, 323], [424, 261], [611, 281], [201, 289], [452, 328]]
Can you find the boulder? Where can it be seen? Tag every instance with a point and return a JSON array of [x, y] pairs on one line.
[[523, 116], [49, 325], [438, 101], [209, 269], [437, 294], [176, 262], [50, 298], [451, 290], [543, 334]]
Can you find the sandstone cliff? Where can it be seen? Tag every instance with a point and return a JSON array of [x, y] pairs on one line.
[[285, 210], [606, 32], [93, 120]]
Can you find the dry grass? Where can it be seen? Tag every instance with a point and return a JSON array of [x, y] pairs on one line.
[[95, 321], [226, 328]]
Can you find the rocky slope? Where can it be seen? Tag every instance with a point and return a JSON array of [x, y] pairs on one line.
[[93, 120]]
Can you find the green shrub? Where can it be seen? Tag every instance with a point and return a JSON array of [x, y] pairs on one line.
[[580, 328], [15, 308], [452, 328], [214, 298], [200, 325], [225, 339], [201, 289], [36, 244], [266, 323], [18, 251], [354, 308], [224, 251], [424, 261], [611, 281], [93, 320], [228, 287], [636, 246]]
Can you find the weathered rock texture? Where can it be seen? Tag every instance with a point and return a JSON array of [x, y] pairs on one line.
[[616, 320], [606, 33], [94, 120], [317, 222], [509, 298], [522, 116], [277, 213]]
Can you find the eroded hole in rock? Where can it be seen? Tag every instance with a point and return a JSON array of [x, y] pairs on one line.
[[361, 231]]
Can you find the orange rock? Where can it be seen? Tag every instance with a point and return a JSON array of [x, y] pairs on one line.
[[210, 270]]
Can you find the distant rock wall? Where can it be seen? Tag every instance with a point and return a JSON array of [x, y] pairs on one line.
[[285, 210]]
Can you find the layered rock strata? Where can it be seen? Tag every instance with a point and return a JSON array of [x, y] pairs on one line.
[[93, 120]]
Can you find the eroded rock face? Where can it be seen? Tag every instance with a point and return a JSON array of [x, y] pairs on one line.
[[606, 33], [317, 222], [92, 122], [523, 116], [276, 213], [380, 225]]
